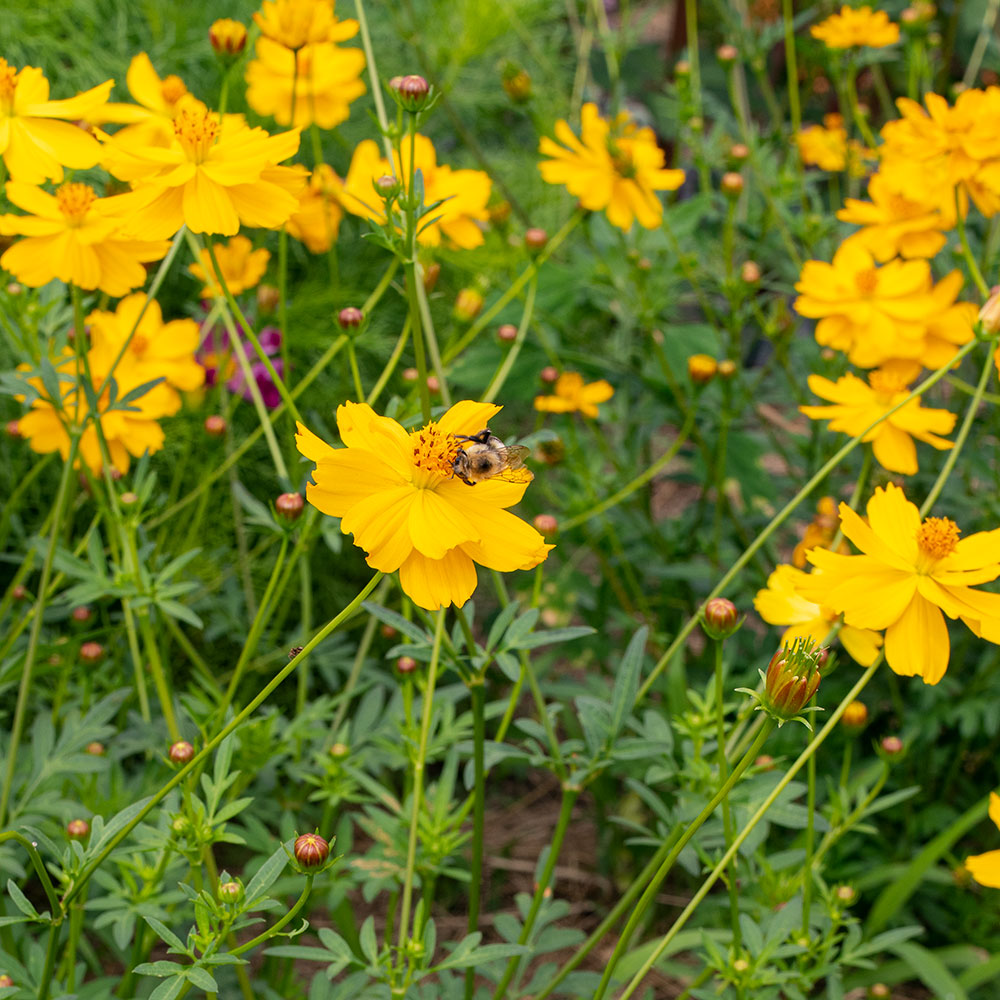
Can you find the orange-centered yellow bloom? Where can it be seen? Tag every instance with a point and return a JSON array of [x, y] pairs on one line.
[[910, 572], [212, 177], [861, 27], [463, 193], [572, 396], [985, 868], [614, 167], [327, 78], [76, 237], [397, 494], [316, 222], [35, 147], [858, 405], [781, 604], [242, 266], [294, 23]]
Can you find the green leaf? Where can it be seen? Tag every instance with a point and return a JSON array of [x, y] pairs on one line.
[[931, 971], [480, 956], [166, 934], [169, 989], [267, 874], [21, 901], [627, 682], [368, 941], [117, 822], [397, 621], [551, 635], [159, 969], [202, 979]]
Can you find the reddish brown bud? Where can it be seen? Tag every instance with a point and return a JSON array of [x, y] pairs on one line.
[[91, 652], [535, 239], [350, 318], [5, 981], [77, 829], [892, 746], [268, 298], [388, 632], [181, 752], [546, 525], [731, 184], [215, 425], [410, 374], [339, 751], [549, 375], [765, 762], [289, 506], [387, 186], [431, 273], [845, 894], [228, 37], [879, 991], [507, 332], [311, 850], [433, 384], [18, 593], [727, 54], [13, 429], [739, 153], [791, 680], [411, 90], [682, 68], [128, 499], [95, 749], [406, 664], [720, 619], [82, 614], [750, 272]]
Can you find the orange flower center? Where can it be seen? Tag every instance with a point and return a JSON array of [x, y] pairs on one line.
[[937, 537], [197, 130], [8, 84], [172, 89], [139, 344], [900, 206], [886, 384], [433, 455], [74, 201], [866, 281]]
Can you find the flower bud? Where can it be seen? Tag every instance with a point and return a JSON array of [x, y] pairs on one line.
[[720, 619], [91, 653], [546, 525], [18, 593], [431, 273], [507, 333], [77, 829], [989, 315], [879, 991], [727, 54], [388, 632], [180, 825], [181, 752], [727, 369], [741, 965], [230, 892], [535, 239], [468, 303], [82, 614], [411, 91], [845, 894], [311, 850], [855, 716], [339, 751], [215, 425], [268, 298], [549, 375], [128, 499], [350, 318], [891, 746], [387, 187], [791, 680], [731, 185], [5, 981], [517, 84], [739, 153], [765, 762], [702, 368], [750, 272], [13, 429], [550, 452], [228, 37], [410, 374], [433, 384], [289, 506], [406, 664], [682, 68]]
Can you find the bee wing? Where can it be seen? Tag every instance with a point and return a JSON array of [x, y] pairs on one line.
[[515, 455]]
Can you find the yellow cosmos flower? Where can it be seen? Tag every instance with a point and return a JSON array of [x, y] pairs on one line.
[[780, 603], [34, 145], [156, 349], [213, 177], [909, 573], [317, 219], [76, 237], [858, 404], [128, 433], [570, 395], [294, 23], [895, 224], [861, 27], [396, 493], [327, 78], [985, 868], [463, 193], [242, 266], [614, 167], [821, 531]]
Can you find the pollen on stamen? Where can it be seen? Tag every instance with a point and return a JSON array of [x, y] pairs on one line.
[[938, 537], [433, 452], [8, 83], [886, 383], [172, 89], [74, 200], [866, 281], [196, 130]]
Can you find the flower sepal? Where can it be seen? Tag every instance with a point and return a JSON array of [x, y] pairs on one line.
[[789, 683]]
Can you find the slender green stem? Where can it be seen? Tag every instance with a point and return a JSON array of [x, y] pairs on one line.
[[723, 764], [366, 44], [982, 42], [694, 61], [791, 65], [283, 921], [419, 765], [24, 688], [40, 870], [832, 836], [970, 260], [352, 360], [48, 971], [159, 675], [787, 510], [497, 382], [668, 862], [390, 365], [570, 794], [478, 693], [761, 812], [199, 759], [810, 835], [138, 668]]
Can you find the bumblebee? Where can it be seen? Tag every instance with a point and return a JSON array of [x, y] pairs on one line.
[[484, 456]]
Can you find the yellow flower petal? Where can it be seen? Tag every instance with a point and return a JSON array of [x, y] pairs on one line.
[[435, 583]]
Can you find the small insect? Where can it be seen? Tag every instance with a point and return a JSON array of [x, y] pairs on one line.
[[485, 456]]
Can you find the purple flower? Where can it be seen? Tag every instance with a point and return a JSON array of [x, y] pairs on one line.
[[220, 363]]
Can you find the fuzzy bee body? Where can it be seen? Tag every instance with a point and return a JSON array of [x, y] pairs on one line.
[[484, 456]]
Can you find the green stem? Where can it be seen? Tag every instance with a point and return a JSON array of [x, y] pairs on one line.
[[24, 688], [761, 812], [390, 365], [810, 834], [366, 44], [282, 922], [352, 361], [199, 759], [40, 870], [791, 65], [723, 764], [963, 236], [48, 971], [478, 693], [496, 383], [668, 862]]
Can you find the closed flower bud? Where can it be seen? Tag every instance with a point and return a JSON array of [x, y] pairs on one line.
[[517, 84], [765, 762], [339, 751], [727, 54], [268, 298], [546, 525], [5, 981], [682, 68], [289, 506], [13, 429], [551, 452], [739, 153], [741, 965], [791, 680], [431, 273], [387, 187], [388, 632], [311, 850], [77, 829], [989, 315], [129, 499], [228, 37], [535, 239], [702, 368], [410, 374], [720, 619], [845, 895], [507, 332], [215, 425], [727, 369], [731, 184], [180, 825], [891, 746], [95, 749], [82, 614], [406, 664], [411, 91], [855, 715], [433, 384], [350, 318], [230, 892], [181, 752], [468, 303], [18, 593], [750, 272], [879, 991], [549, 375], [91, 652]]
